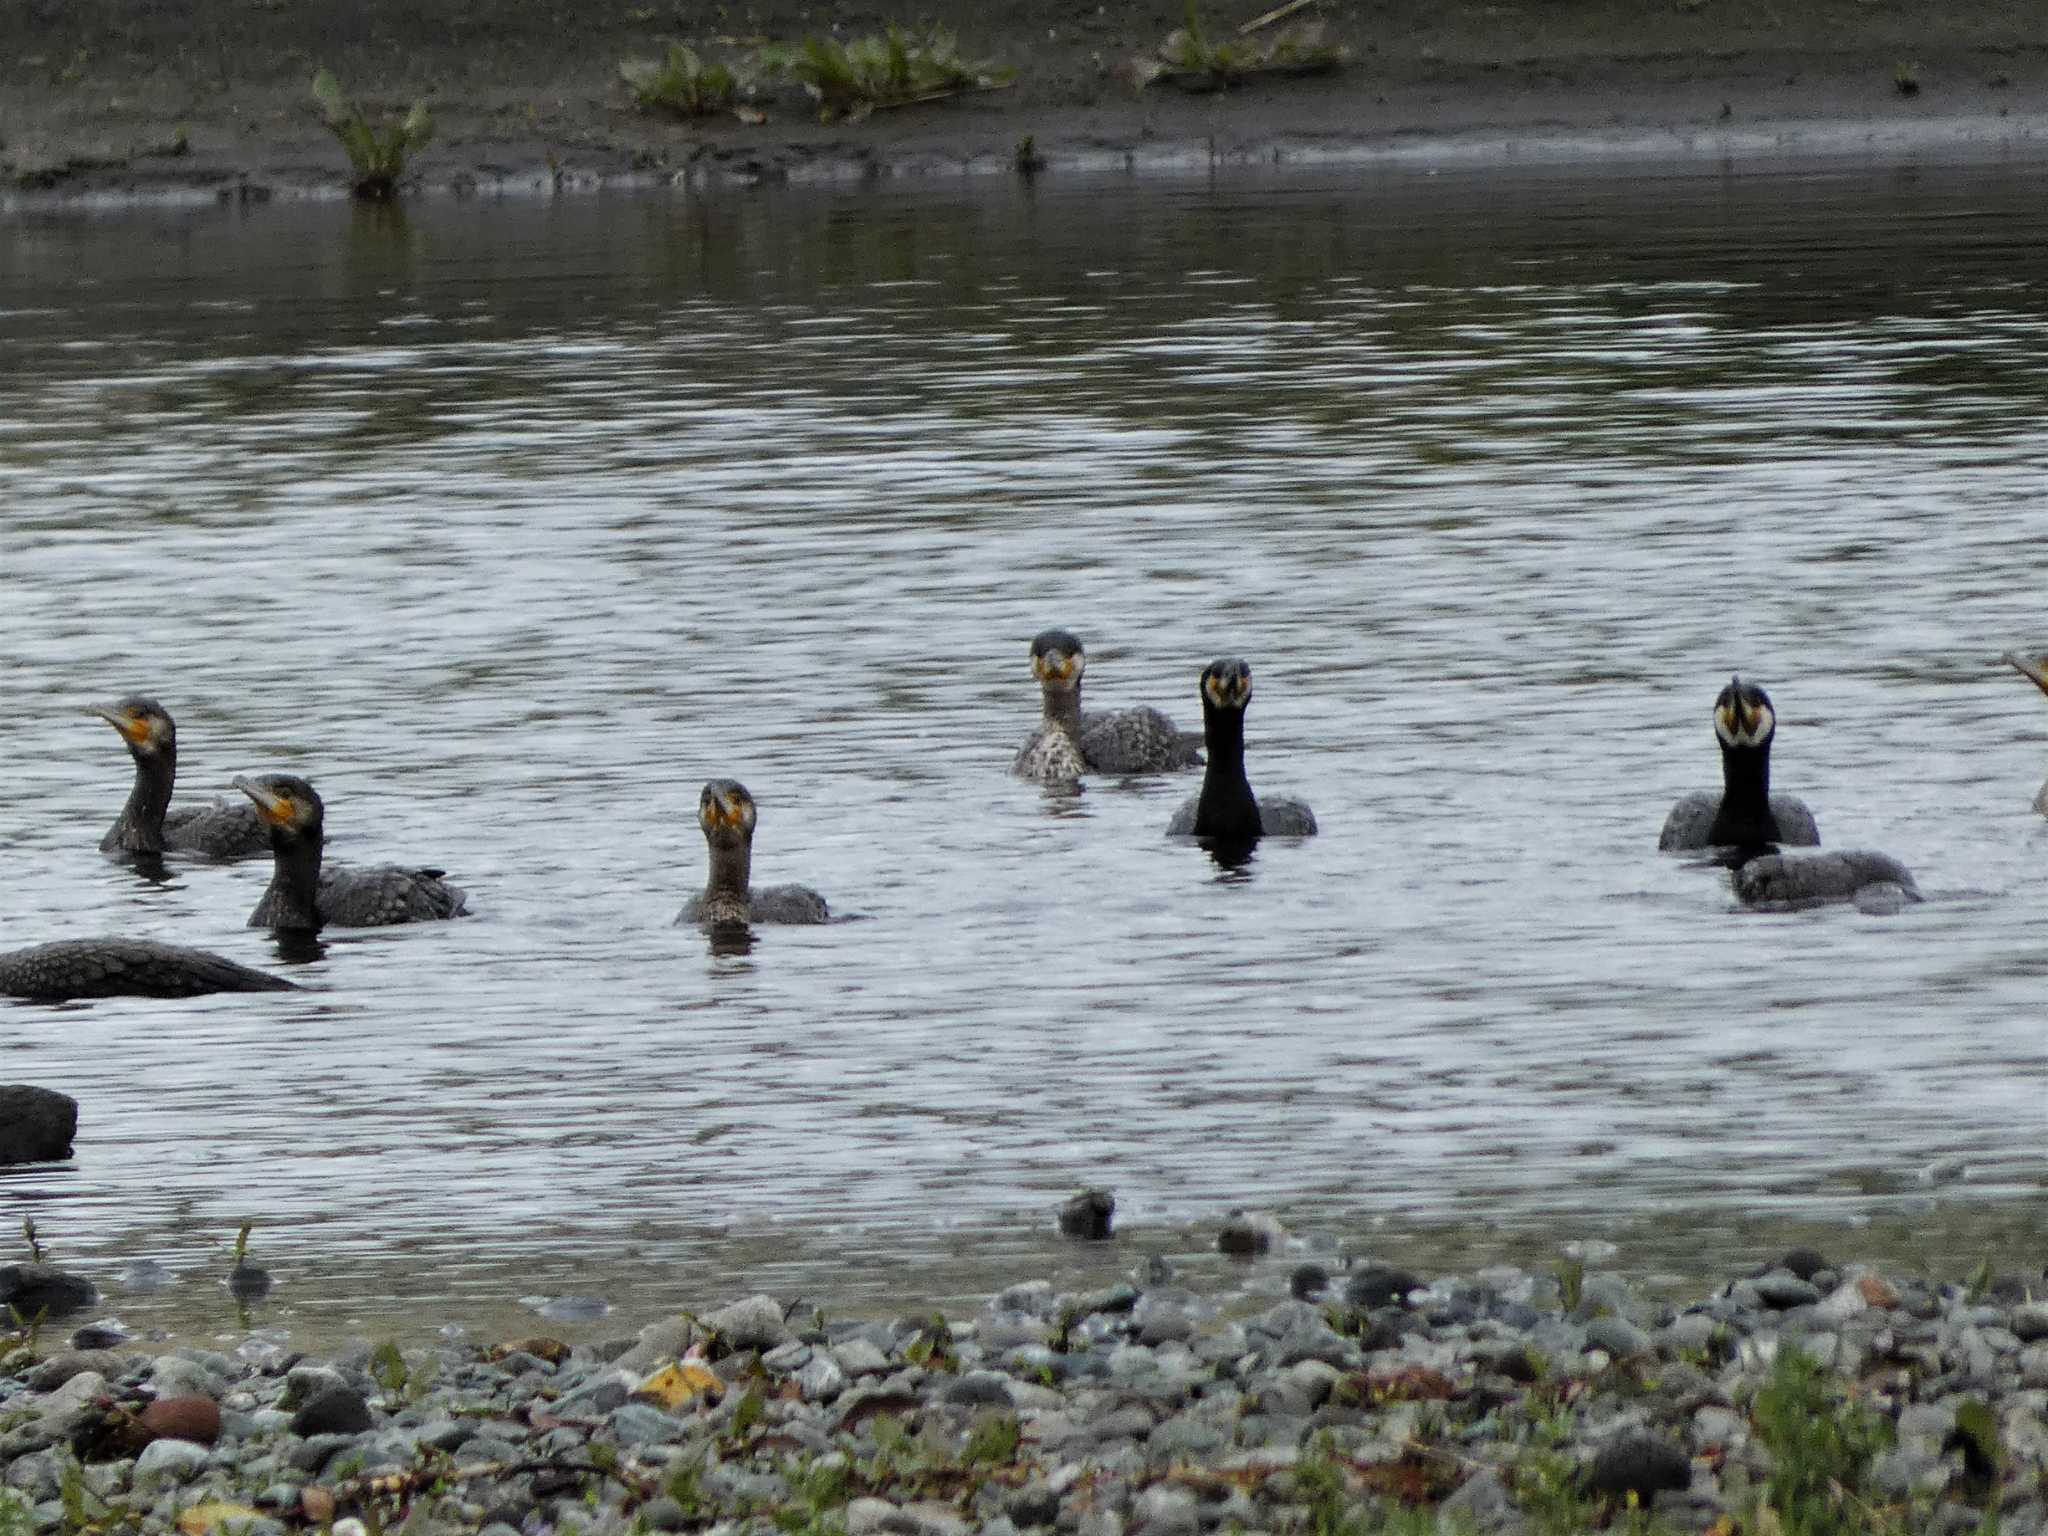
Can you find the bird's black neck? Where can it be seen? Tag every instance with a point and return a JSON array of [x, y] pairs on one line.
[[293, 897], [1744, 819], [1063, 710], [140, 828], [732, 867], [1226, 811]]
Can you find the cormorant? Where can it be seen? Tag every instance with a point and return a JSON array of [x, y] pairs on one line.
[[726, 812], [302, 895], [1070, 741], [1780, 882], [75, 968], [1226, 811], [1745, 814], [2035, 673], [148, 822]]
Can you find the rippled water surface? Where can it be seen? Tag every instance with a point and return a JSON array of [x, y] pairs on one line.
[[511, 523]]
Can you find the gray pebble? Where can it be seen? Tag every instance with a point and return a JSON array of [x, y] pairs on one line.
[[170, 1461], [754, 1323]]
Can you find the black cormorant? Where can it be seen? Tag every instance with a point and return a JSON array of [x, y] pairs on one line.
[[76, 968], [2035, 673], [1744, 814], [726, 812], [302, 895], [149, 823], [1225, 811], [1070, 741]]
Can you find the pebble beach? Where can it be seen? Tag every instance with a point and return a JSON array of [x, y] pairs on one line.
[[1813, 1396]]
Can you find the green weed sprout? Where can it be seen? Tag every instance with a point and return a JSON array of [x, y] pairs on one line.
[[377, 155], [1194, 61], [682, 83], [885, 69]]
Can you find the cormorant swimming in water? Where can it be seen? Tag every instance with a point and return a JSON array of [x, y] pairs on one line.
[[148, 822], [1779, 882], [726, 813], [1225, 812], [1745, 814], [1069, 741], [302, 895], [2035, 673], [75, 968]]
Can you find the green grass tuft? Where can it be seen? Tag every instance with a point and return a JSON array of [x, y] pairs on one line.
[[682, 83], [994, 1441], [1821, 1449], [1195, 61], [377, 155], [884, 69]]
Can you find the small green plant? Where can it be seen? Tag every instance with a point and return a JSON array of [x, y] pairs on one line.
[[72, 1494], [17, 1515], [885, 69], [388, 1368], [1193, 60], [893, 1447], [682, 83], [994, 1441], [1027, 159], [1322, 1487], [377, 155], [1571, 1282], [1906, 79], [685, 1485], [824, 1489], [745, 1415], [1821, 1449], [35, 1247], [933, 1347]]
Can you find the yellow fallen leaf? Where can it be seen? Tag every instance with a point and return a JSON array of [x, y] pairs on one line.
[[673, 1386], [205, 1519]]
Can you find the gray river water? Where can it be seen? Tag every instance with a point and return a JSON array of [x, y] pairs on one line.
[[511, 523]]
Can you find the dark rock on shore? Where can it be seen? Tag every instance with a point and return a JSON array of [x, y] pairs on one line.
[[335, 1411], [36, 1124], [1377, 1286], [1639, 1464], [42, 1290], [1088, 1215], [1246, 1234]]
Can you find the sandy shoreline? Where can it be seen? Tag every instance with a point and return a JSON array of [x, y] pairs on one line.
[[95, 103]]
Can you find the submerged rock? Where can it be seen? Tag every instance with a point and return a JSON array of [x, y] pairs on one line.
[[1246, 1234], [1088, 1215], [36, 1124], [43, 1290]]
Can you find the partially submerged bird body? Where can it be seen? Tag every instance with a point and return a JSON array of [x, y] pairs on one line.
[[1786, 882], [87, 968], [304, 895], [1744, 814], [149, 823], [2036, 673], [728, 815], [1225, 810], [1070, 741]]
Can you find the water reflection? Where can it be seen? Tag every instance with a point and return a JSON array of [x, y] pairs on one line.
[[509, 524]]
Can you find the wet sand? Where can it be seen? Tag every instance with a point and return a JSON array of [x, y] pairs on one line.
[[210, 99]]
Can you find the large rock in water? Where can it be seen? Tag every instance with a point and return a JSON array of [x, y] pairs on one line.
[[36, 1124], [42, 1290]]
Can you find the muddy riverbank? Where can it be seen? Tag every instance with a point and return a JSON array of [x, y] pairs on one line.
[[211, 97]]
